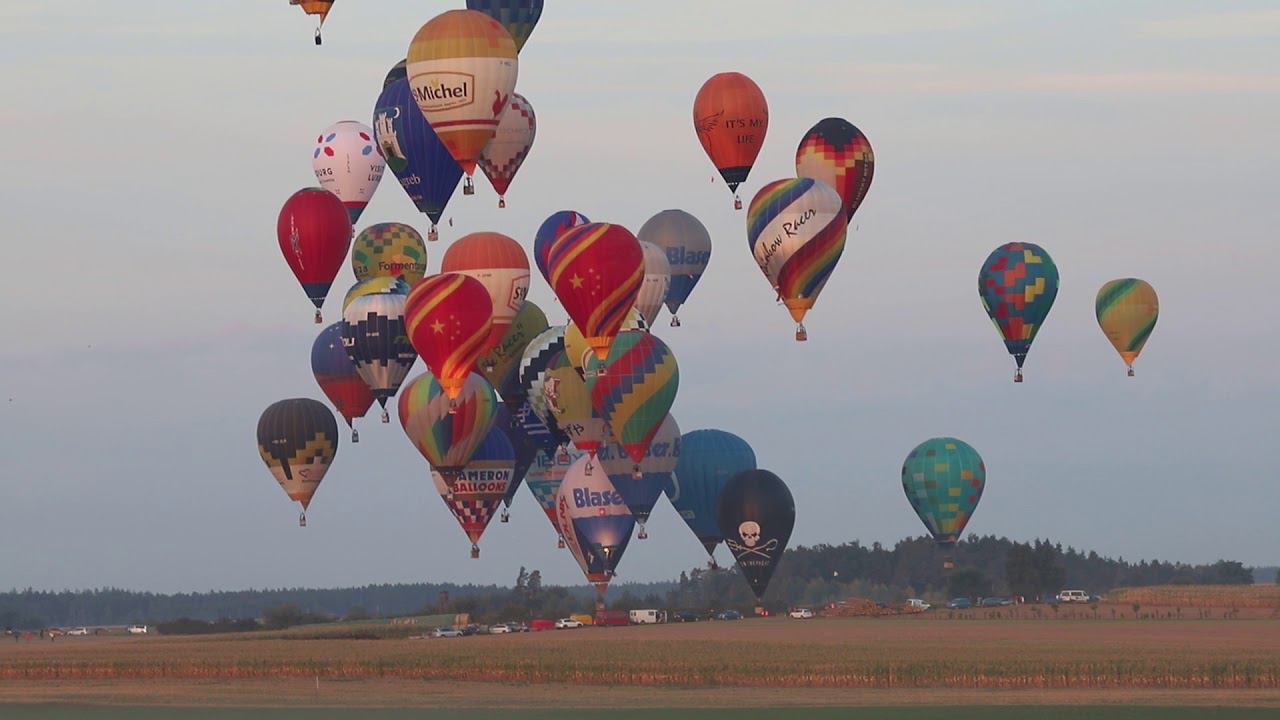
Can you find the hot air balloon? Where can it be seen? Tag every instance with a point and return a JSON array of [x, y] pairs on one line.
[[338, 378], [943, 479], [389, 249], [462, 70], [447, 431], [838, 154], [448, 319], [594, 521], [478, 489], [548, 232], [524, 449], [657, 280], [634, 388], [373, 331], [399, 71], [543, 350], [640, 491], [319, 8], [297, 439], [708, 458], [505, 153], [1017, 284], [568, 401], [314, 233], [796, 230], [422, 164], [373, 286], [731, 118], [501, 266], [596, 272], [756, 516], [347, 163], [544, 480], [688, 247], [518, 16], [579, 351], [1127, 310], [501, 364]]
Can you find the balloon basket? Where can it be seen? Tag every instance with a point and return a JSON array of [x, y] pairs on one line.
[[355, 435], [302, 519], [675, 321], [948, 564], [468, 187], [386, 416], [737, 202], [433, 234], [453, 407], [502, 202], [560, 542], [643, 534], [1017, 375], [636, 474], [1130, 372], [475, 552], [317, 36], [319, 319], [801, 334], [506, 516]]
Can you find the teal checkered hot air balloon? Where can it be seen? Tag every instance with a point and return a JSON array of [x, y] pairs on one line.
[[944, 478], [1017, 284], [518, 16]]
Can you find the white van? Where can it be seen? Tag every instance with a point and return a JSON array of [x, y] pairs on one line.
[[137, 629], [647, 617], [1073, 596], [916, 604]]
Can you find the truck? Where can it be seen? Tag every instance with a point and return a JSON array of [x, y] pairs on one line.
[[540, 625], [648, 617], [613, 618]]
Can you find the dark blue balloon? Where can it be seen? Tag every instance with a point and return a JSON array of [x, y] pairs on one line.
[[708, 458], [524, 447], [548, 231], [422, 164]]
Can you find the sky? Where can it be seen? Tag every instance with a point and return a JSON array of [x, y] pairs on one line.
[[152, 143]]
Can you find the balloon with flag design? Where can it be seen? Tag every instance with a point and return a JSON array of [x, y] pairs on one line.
[[838, 154], [447, 430], [548, 232], [462, 70], [373, 332], [519, 17], [1127, 310], [594, 521], [731, 117], [506, 152], [477, 491], [499, 263], [427, 172], [708, 459], [944, 478], [347, 163], [634, 388], [796, 231], [688, 247], [448, 317], [338, 378], [641, 485], [298, 439], [1018, 284], [389, 249], [596, 272], [314, 232], [657, 281], [756, 516]]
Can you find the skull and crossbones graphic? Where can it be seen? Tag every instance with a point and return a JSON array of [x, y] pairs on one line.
[[749, 531]]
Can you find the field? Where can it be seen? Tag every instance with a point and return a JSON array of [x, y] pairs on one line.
[[939, 658]]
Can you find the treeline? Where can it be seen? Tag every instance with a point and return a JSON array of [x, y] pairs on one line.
[[985, 565]]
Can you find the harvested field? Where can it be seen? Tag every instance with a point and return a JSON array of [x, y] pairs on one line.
[[1200, 596]]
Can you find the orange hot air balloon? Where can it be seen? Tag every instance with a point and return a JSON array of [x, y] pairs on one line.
[[596, 271], [462, 70], [731, 118], [319, 8], [501, 265], [447, 317]]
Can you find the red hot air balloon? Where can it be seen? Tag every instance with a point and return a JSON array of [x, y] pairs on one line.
[[596, 271], [731, 118], [500, 264], [448, 317], [315, 234]]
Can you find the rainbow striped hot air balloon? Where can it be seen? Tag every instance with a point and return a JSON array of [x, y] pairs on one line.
[[796, 231], [944, 478], [1127, 311], [447, 431], [1018, 284], [634, 388]]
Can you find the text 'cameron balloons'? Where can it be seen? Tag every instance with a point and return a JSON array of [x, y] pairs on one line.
[[838, 154], [796, 231], [478, 489], [501, 266], [347, 164], [708, 458], [599, 523], [1017, 284], [756, 516], [596, 272], [422, 164], [1127, 311], [657, 281], [389, 249], [506, 152], [298, 439], [943, 479], [641, 490], [338, 378], [501, 364], [462, 70], [688, 247], [518, 16], [314, 233], [448, 319], [447, 431], [634, 388], [374, 336], [731, 118], [548, 232]]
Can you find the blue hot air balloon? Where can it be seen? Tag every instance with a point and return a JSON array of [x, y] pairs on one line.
[[708, 458], [641, 493], [524, 448], [518, 16], [426, 170], [548, 231]]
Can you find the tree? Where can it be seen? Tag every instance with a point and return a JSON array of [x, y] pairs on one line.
[[279, 618], [1020, 571], [969, 582]]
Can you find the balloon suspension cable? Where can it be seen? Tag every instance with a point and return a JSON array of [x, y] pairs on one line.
[[386, 416], [675, 321], [433, 234], [737, 202], [468, 187], [355, 435], [1017, 375], [506, 516], [502, 202], [642, 535], [801, 333], [302, 519], [475, 552], [1130, 371], [319, 319]]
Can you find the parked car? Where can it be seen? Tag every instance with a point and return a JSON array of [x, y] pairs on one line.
[[499, 629], [78, 631], [446, 632], [800, 614], [995, 602], [728, 615], [961, 603], [137, 629], [470, 629], [687, 616], [517, 627], [1073, 596], [567, 624], [917, 604]]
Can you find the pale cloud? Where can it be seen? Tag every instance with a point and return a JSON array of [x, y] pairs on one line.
[[1217, 26]]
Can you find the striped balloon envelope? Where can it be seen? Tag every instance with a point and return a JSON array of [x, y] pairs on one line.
[[389, 249], [347, 163], [374, 335], [796, 231], [657, 281], [731, 117], [477, 491], [1018, 284], [634, 388], [1127, 311], [596, 272], [448, 317], [499, 263], [838, 154], [462, 71], [447, 431], [579, 351], [548, 232], [314, 233], [506, 152], [338, 378], [518, 16], [944, 478], [298, 439]]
